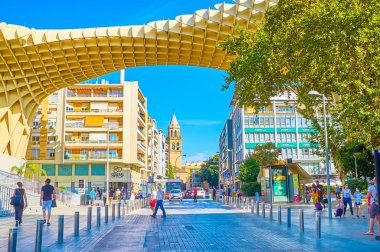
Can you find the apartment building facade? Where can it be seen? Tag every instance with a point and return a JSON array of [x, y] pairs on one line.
[[279, 123], [96, 126]]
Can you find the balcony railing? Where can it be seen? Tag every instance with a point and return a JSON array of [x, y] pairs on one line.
[[81, 125], [141, 145], [78, 141], [111, 95], [91, 157], [93, 110], [141, 131], [140, 159]]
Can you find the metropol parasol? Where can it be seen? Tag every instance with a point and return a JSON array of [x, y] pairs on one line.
[[35, 63]]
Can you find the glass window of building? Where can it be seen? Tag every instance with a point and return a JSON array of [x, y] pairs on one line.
[[65, 170]]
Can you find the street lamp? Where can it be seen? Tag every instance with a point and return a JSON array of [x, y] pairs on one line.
[[356, 164], [316, 94], [175, 162]]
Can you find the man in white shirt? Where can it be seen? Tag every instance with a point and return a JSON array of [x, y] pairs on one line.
[[160, 203], [374, 208]]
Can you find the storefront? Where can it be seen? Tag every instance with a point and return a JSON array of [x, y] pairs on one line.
[[281, 183]]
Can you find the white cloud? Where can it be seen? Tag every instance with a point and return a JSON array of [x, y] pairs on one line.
[[200, 122], [198, 157]]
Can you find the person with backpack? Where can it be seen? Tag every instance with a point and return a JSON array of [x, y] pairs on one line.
[[346, 193], [374, 208], [21, 202], [319, 189]]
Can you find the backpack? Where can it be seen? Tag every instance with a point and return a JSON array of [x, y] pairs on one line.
[[16, 199], [339, 212], [318, 206]]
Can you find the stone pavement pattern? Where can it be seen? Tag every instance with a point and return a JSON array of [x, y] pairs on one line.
[[209, 226]]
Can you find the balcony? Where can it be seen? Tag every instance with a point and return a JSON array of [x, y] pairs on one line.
[[78, 142], [140, 130], [97, 111], [141, 146], [79, 126], [89, 156], [95, 95], [142, 118]]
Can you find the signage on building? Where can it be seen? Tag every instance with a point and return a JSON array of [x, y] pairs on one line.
[[118, 173], [81, 188], [227, 175]]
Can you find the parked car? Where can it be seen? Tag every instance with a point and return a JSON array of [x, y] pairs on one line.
[[175, 194], [189, 194], [201, 193]]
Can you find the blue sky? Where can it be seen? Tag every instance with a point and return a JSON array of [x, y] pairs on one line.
[[200, 105]]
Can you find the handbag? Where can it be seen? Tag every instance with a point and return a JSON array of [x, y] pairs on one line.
[[54, 203], [16, 199]]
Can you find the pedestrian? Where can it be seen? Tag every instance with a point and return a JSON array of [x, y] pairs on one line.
[[133, 195], [159, 203], [110, 196], [358, 202], [23, 203], [48, 194], [346, 193], [153, 199], [374, 208], [117, 194], [238, 194], [92, 196], [339, 209], [105, 197], [337, 191], [319, 189], [229, 191], [195, 192], [214, 193]]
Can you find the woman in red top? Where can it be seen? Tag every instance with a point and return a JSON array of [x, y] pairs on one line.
[[153, 199], [195, 192]]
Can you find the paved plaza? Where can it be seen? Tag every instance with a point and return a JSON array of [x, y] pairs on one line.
[[205, 226]]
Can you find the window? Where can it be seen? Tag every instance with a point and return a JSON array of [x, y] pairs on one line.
[[175, 133], [97, 170], [177, 146], [36, 124], [50, 154], [35, 153], [51, 139], [50, 169], [65, 170], [173, 146], [35, 139], [81, 170]]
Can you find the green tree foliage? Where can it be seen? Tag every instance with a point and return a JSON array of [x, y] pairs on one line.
[[209, 171], [364, 157], [170, 171], [249, 170], [327, 46], [249, 189], [358, 183], [266, 154], [28, 170]]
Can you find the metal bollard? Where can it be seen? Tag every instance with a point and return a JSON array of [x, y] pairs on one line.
[[271, 212], [113, 212], [123, 209], [61, 220], [263, 210], [279, 214], [89, 218], [12, 240], [252, 207], [98, 216], [76, 224], [38, 243], [318, 215], [106, 214], [257, 208], [302, 223], [289, 219], [118, 210]]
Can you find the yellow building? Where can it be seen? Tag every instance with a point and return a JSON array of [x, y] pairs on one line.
[[193, 179], [70, 138]]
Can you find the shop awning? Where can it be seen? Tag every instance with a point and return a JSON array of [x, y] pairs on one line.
[[303, 175]]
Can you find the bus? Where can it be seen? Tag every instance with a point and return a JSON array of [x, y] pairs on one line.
[[172, 184]]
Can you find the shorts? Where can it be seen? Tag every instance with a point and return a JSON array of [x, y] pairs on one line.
[[373, 210], [358, 203], [47, 205], [153, 203]]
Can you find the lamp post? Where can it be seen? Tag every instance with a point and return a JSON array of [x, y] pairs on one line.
[[316, 94], [175, 162], [231, 168]]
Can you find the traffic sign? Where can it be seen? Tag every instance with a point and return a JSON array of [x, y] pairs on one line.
[[227, 175]]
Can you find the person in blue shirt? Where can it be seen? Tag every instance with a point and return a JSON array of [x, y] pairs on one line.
[[358, 202], [92, 196], [160, 203]]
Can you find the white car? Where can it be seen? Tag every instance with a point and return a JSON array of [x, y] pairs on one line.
[[175, 194], [201, 193]]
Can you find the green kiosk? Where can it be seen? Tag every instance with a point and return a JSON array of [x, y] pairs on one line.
[[281, 183]]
